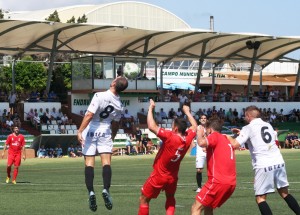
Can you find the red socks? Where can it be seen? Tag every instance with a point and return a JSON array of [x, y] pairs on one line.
[[144, 209], [170, 206]]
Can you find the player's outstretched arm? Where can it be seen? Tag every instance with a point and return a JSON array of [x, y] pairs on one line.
[[235, 144], [201, 139], [187, 112], [150, 119], [3, 152]]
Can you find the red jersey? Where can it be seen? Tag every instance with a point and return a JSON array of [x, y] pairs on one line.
[[15, 143], [172, 151], [220, 160]]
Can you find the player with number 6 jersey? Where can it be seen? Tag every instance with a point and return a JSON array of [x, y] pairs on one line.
[[167, 161], [267, 161], [95, 135]]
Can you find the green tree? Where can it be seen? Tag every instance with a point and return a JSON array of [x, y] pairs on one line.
[[53, 17], [28, 75], [82, 19], [1, 14], [72, 20]]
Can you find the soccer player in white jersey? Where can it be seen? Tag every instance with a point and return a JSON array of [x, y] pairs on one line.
[[200, 156], [267, 161], [96, 134]]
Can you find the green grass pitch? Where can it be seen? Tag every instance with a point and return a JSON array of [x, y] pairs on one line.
[[56, 186]]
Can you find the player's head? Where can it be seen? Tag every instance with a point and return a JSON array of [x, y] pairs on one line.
[[179, 125], [16, 129], [214, 124], [203, 119], [119, 84], [252, 112]]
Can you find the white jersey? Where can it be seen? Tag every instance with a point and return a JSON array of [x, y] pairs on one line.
[[261, 142], [106, 107], [200, 155]]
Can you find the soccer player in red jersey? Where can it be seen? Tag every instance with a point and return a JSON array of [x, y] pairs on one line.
[[221, 170], [16, 144], [167, 161]]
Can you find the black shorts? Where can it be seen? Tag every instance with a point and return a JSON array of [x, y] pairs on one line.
[[12, 105]]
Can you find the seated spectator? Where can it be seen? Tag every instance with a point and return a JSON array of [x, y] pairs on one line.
[[158, 118], [44, 119], [130, 148], [127, 119], [163, 114], [71, 151], [48, 113], [40, 112], [78, 150], [9, 124], [42, 153], [52, 96], [295, 140], [179, 113], [171, 114], [30, 115], [54, 114], [147, 144], [36, 121], [58, 151], [65, 120]]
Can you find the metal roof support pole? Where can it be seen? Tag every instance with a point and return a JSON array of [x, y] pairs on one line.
[[13, 76], [201, 61], [213, 79], [161, 81], [52, 56], [255, 46], [296, 83]]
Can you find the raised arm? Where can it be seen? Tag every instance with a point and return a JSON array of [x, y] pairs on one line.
[[150, 119], [235, 144], [186, 111], [201, 139]]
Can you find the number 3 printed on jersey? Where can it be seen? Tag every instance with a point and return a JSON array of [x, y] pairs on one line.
[[104, 114]]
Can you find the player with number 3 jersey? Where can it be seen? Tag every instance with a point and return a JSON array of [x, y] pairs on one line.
[[167, 161], [267, 161], [96, 134]]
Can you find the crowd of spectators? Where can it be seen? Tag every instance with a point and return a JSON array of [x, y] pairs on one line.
[[272, 95], [57, 152]]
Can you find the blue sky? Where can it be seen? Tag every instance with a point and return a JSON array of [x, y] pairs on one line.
[[273, 17]]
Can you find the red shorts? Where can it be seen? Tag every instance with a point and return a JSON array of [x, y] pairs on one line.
[[214, 195], [14, 159], [156, 183]]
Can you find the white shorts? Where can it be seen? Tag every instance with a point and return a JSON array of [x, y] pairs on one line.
[[97, 141], [200, 158], [269, 178]]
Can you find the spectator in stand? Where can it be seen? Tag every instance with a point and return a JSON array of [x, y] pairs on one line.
[[44, 119], [171, 114], [59, 115], [120, 71], [54, 114], [30, 115], [158, 118], [65, 120], [40, 112], [52, 96], [174, 98], [71, 151], [147, 144], [288, 141], [48, 113], [12, 99], [182, 99], [81, 113], [130, 146], [138, 138], [9, 124], [143, 112], [58, 151], [36, 121], [127, 119], [33, 96], [163, 114], [179, 113]]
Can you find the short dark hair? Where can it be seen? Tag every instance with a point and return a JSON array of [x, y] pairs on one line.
[[181, 124], [254, 111], [121, 84], [215, 123]]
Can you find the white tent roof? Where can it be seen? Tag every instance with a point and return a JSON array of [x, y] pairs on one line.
[[20, 37]]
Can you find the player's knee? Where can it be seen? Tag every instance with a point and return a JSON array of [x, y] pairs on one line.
[[199, 170]]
